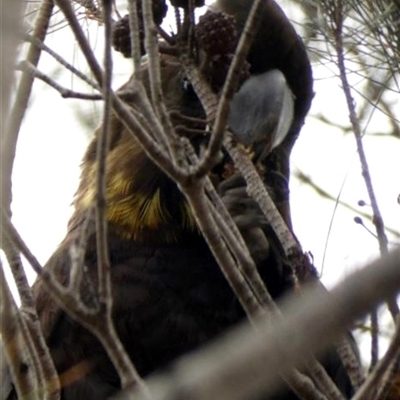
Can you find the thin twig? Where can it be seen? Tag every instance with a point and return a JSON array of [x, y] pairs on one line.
[[234, 240], [77, 253], [250, 289], [323, 381], [20, 105], [135, 38], [42, 370], [244, 364], [257, 190], [230, 85], [136, 96], [80, 36], [61, 60], [168, 136], [103, 259], [351, 362], [97, 320], [13, 344], [374, 339], [10, 138], [91, 9], [371, 387], [377, 217], [153, 150], [26, 67], [389, 387], [209, 101], [10, 24], [42, 367], [201, 211]]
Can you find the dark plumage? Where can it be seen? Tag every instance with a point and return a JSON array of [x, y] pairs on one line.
[[170, 296]]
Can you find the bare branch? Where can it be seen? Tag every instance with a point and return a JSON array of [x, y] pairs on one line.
[[229, 87], [12, 332], [97, 320], [152, 149], [135, 38], [167, 134], [26, 67], [373, 385], [60, 60], [9, 142], [103, 260], [351, 362], [337, 20]]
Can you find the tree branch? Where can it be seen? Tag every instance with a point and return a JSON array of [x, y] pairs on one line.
[[245, 362]]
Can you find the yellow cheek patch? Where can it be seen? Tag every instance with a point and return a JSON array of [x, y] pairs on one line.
[[119, 184], [86, 200], [137, 215], [137, 212]]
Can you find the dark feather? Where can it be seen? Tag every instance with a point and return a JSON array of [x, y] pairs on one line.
[[169, 295]]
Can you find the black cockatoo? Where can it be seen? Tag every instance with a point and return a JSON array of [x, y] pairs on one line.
[[169, 295]]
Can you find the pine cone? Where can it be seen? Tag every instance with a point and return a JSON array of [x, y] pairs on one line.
[[217, 70], [121, 31], [121, 40], [185, 3], [216, 33]]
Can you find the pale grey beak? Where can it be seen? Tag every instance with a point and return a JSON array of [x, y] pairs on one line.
[[261, 112]]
